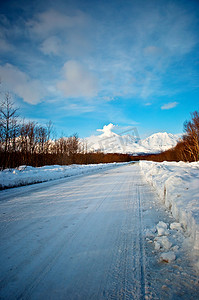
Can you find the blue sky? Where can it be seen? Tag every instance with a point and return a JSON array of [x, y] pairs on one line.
[[85, 64]]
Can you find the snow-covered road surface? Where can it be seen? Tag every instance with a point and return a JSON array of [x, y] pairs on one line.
[[91, 237]]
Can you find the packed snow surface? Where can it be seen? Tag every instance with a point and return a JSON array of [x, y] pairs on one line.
[[25, 175], [177, 184], [92, 237], [129, 141]]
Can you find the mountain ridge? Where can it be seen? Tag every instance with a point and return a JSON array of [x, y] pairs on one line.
[[110, 142]]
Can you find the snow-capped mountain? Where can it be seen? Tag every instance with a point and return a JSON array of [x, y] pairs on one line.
[[160, 141], [110, 142]]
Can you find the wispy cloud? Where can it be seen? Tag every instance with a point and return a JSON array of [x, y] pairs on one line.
[[98, 51], [52, 21], [169, 105], [141, 56]]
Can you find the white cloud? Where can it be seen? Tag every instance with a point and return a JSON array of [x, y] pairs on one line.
[[5, 46], [152, 50], [51, 45], [169, 105], [107, 129], [21, 84], [131, 57], [77, 81], [50, 21], [62, 33]]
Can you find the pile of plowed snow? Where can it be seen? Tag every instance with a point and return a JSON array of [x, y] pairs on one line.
[[25, 175], [177, 184]]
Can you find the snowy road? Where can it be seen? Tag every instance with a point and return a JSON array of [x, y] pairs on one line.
[[85, 238]]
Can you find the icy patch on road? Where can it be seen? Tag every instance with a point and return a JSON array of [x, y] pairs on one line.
[[177, 184], [25, 175]]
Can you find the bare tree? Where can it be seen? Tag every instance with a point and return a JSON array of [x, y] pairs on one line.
[[72, 147], [191, 137], [8, 121], [8, 127], [49, 130]]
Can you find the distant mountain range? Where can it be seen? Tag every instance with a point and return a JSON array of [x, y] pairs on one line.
[[110, 142]]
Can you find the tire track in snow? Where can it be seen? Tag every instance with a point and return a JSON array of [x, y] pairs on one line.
[[141, 247], [127, 270], [117, 275]]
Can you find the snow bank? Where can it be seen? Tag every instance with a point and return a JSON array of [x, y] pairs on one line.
[[25, 175], [177, 184]]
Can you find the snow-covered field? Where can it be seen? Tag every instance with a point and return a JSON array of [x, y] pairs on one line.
[[25, 175], [177, 184]]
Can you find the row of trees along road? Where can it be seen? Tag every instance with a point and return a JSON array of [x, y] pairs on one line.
[[27, 143]]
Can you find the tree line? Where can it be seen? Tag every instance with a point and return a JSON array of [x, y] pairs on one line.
[[187, 148], [28, 143]]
